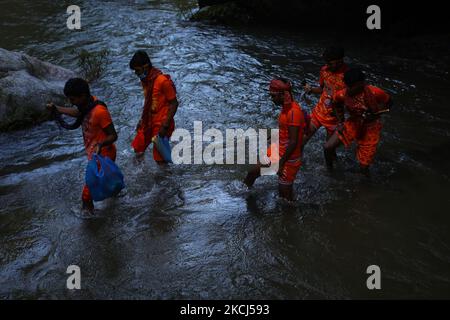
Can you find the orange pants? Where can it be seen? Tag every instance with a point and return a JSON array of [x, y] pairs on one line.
[[291, 167], [290, 170], [109, 152], [319, 119], [143, 139], [367, 137]]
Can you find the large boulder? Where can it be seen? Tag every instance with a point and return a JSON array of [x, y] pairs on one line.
[[26, 85]]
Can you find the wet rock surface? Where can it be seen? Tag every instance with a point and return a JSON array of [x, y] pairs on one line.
[[26, 85]]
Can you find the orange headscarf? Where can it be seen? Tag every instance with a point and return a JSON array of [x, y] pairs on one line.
[[279, 86]]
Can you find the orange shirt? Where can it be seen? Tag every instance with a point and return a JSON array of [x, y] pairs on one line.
[[331, 82], [93, 124], [291, 116], [163, 92], [372, 98]]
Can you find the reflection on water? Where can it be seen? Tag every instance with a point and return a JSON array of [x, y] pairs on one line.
[[194, 231]]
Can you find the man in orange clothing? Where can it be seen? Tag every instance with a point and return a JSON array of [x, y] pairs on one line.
[[291, 123], [160, 105], [331, 80], [93, 116], [364, 104]]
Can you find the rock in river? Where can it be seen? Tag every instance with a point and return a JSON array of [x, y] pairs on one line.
[[26, 85]]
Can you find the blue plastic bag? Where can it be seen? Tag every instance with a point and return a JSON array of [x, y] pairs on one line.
[[163, 146], [103, 178]]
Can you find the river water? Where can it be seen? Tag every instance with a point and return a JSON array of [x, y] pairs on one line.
[[193, 231]]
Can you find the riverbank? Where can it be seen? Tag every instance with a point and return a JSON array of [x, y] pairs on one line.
[[407, 30]]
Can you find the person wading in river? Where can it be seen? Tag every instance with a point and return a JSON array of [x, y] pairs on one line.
[[93, 116], [160, 105], [291, 122], [364, 104], [331, 80]]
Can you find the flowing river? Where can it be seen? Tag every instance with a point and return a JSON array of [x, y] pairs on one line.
[[194, 231]]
